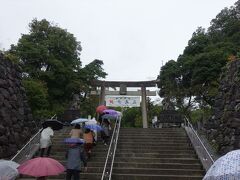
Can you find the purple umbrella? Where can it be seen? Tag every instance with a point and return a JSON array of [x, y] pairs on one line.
[[74, 141], [110, 112], [93, 127]]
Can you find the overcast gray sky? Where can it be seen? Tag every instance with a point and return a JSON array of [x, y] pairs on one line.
[[132, 37]]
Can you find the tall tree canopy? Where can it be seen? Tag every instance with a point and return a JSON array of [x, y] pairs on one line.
[[194, 75], [49, 55]]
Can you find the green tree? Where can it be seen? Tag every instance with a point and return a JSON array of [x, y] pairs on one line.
[[50, 54], [37, 97], [193, 77], [129, 117]]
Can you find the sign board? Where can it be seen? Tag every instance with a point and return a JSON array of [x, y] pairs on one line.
[[122, 101]]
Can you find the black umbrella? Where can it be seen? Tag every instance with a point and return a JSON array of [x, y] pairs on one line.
[[54, 124]]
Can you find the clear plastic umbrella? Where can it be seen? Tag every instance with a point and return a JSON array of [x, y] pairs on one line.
[[8, 170], [79, 120], [226, 167], [10, 163]]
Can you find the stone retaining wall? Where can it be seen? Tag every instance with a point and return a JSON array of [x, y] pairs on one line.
[[16, 121], [223, 129]]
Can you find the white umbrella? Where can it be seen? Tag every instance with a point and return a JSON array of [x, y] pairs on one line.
[[79, 120], [8, 170], [226, 167]]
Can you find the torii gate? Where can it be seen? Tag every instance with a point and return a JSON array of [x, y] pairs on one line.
[[123, 91]]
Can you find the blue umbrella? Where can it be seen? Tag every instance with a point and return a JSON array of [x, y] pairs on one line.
[[74, 141], [79, 120], [93, 127]]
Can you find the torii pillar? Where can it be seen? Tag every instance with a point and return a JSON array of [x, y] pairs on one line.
[[102, 95], [144, 107]]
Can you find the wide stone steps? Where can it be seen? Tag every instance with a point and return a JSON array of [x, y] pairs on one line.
[[157, 165], [156, 146], [141, 154], [118, 176], [146, 134], [149, 154], [158, 171], [138, 155], [141, 140], [102, 152], [162, 151], [155, 138], [157, 160]]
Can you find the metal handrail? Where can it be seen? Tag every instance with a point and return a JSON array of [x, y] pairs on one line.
[[202, 152], [107, 170], [115, 147], [26, 151], [30, 147], [55, 115]]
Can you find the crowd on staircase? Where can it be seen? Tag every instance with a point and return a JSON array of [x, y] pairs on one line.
[[81, 142], [64, 153]]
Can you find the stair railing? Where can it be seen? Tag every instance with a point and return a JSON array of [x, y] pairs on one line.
[[107, 170], [29, 149], [201, 150]]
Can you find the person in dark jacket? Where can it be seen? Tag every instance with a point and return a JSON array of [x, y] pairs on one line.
[[105, 134], [75, 154]]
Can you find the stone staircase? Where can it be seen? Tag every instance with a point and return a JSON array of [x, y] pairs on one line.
[[155, 154], [142, 154], [95, 164]]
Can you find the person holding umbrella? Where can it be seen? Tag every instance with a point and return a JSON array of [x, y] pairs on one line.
[[75, 155], [93, 122], [76, 132], [45, 140], [105, 134], [88, 137]]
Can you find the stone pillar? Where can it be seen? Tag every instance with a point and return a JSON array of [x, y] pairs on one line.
[[102, 95], [144, 107]]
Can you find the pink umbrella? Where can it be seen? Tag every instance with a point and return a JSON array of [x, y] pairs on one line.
[[41, 166], [100, 109]]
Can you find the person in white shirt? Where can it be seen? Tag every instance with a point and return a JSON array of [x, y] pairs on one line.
[[45, 141], [154, 122]]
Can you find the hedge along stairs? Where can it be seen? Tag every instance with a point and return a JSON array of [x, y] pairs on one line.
[[155, 154]]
